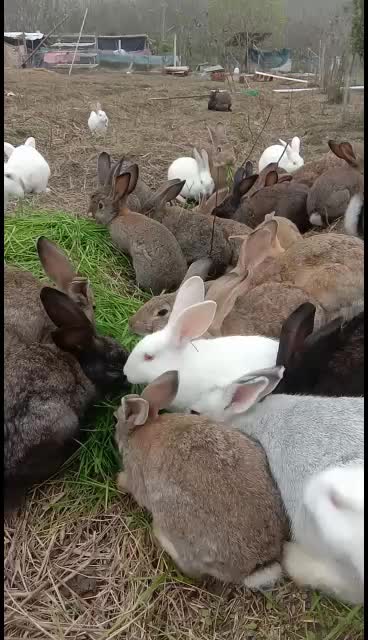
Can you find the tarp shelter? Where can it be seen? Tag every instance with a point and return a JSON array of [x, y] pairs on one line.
[[276, 60]]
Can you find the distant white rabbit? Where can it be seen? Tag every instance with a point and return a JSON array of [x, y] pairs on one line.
[[196, 173], [201, 363], [26, 170], [291, 160], [98, 121]]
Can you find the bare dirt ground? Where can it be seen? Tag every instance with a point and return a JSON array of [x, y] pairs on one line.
[[54, 109], [79, 565]]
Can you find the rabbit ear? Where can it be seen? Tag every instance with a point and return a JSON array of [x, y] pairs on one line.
[[284, 144], [161, 392], [192, 323], [30, 142], [103, 168], [295, 144], [271, 178], [133, 410], [205, 162], [245, 185], [248, 390], [98, 106], [55, 263], [169, 191], [134, 175], [197, 158], [8, 149], [296, 328], [343, 150], [199, 268], [225, 291], [191, 292], [63, 311], [121, 186]]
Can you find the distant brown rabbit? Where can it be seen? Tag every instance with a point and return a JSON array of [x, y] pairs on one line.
[[229, 521], [195, 232], [23, 310], [219, 100], [157, 259], [309, 173], [106, 170], [254, 200], [221, 155], [330, 194]]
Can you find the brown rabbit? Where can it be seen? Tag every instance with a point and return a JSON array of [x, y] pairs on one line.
[[227, 289], [219, 100], [229, 522], [158, 261], [309, 173], [325, 269], [285, 198], [221, 155], [196, 233], [330, 194], [245, 184], [329, 267], [106, 170], [23, 310]]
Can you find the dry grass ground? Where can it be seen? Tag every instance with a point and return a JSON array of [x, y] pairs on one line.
[[80, 562]]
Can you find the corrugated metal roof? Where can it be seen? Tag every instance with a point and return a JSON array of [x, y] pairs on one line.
[[18, 35]]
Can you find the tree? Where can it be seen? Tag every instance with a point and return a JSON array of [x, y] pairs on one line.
[[357, 30]]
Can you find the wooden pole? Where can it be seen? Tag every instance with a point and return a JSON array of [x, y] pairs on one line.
[[78, 41], [174, 49], [58, 24]]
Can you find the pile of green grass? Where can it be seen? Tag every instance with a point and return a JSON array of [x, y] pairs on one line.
[[117, 298]]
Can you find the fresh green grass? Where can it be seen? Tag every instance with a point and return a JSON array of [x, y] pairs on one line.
[[89, 247]]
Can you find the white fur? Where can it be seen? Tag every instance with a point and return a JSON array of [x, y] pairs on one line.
[[13, 186], [98, 121], [26, 169], [264, 578], [316, 220], [334, 500], [196, 173], [201, 363], [352, 214], [314, 448], [291, 159]]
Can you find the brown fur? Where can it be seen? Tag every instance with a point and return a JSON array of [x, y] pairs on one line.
[[221, 155], [23, 310], [157, 259], [313, 169], [331, 192], [226, 522]]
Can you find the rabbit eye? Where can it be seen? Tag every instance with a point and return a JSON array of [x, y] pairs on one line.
[[162, 312], [100, 205], [147, 357], [219, 149]]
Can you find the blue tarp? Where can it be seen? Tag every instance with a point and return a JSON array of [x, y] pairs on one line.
[[269, 59]]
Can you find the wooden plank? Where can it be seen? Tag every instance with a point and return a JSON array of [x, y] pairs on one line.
[[294, 90], [272, 75]]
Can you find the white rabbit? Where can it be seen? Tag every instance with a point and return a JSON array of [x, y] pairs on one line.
[[98, 120], [315, 449], [196, 173], [26, 170], [291, 160], [201, 363], [334, 504], [13, 186]]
